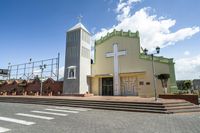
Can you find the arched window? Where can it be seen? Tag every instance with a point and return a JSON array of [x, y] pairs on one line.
[[72, 72]]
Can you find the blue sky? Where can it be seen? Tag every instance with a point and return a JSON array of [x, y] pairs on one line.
[[36, 28]]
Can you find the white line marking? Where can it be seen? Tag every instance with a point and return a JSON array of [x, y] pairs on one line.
[[16, 121], [75, 109], [2, 130], [58, 110], [35, 116], [50, 113]]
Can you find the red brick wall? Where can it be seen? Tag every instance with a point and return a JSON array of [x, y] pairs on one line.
[[56, 87], [33, 87], [9, 87], [190, 98]]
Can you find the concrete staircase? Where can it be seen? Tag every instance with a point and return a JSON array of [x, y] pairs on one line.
[[181, 107], [165, 108]]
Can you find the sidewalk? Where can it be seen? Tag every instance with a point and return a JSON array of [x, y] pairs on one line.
[[106, 98]]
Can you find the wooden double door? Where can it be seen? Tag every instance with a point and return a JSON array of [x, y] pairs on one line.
[[107, 86]]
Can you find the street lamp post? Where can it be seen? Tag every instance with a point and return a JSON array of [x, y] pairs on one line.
[[30, 61], [9, 70], [153, 68], [42, 67]]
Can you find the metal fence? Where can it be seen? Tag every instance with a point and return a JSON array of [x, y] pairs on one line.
[[33, 69]]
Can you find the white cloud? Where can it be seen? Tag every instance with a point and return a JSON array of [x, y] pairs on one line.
[[154, 30], [123, 8], [186, 53], [188, 68], [120, 6]]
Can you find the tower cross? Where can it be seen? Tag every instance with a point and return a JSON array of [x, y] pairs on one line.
[[79, 18]]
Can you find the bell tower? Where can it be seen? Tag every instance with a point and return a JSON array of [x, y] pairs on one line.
[[77, 60]]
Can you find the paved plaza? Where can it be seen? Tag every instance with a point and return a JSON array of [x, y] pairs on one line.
[[27, 118]]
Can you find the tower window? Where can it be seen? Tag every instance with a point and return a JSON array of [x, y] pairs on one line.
[[85, 52], [72, 72], [85, 37]]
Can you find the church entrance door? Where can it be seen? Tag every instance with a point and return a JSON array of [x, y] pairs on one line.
[[128, 86], [107, 86]]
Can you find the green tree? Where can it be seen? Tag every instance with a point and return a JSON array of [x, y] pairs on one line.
[[187, 85]]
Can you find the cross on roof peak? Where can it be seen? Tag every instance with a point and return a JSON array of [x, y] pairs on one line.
[[79, 18]]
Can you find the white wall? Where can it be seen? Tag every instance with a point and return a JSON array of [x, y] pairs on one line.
[[85, 68]]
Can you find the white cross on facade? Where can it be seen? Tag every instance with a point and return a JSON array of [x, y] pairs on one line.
[[115, 54]]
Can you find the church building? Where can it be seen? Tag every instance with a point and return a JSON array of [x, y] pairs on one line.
[[119, 67]]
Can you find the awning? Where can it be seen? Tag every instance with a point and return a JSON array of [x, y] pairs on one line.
[[133, 73], [71, 67], [104, 75], [120, 74]]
